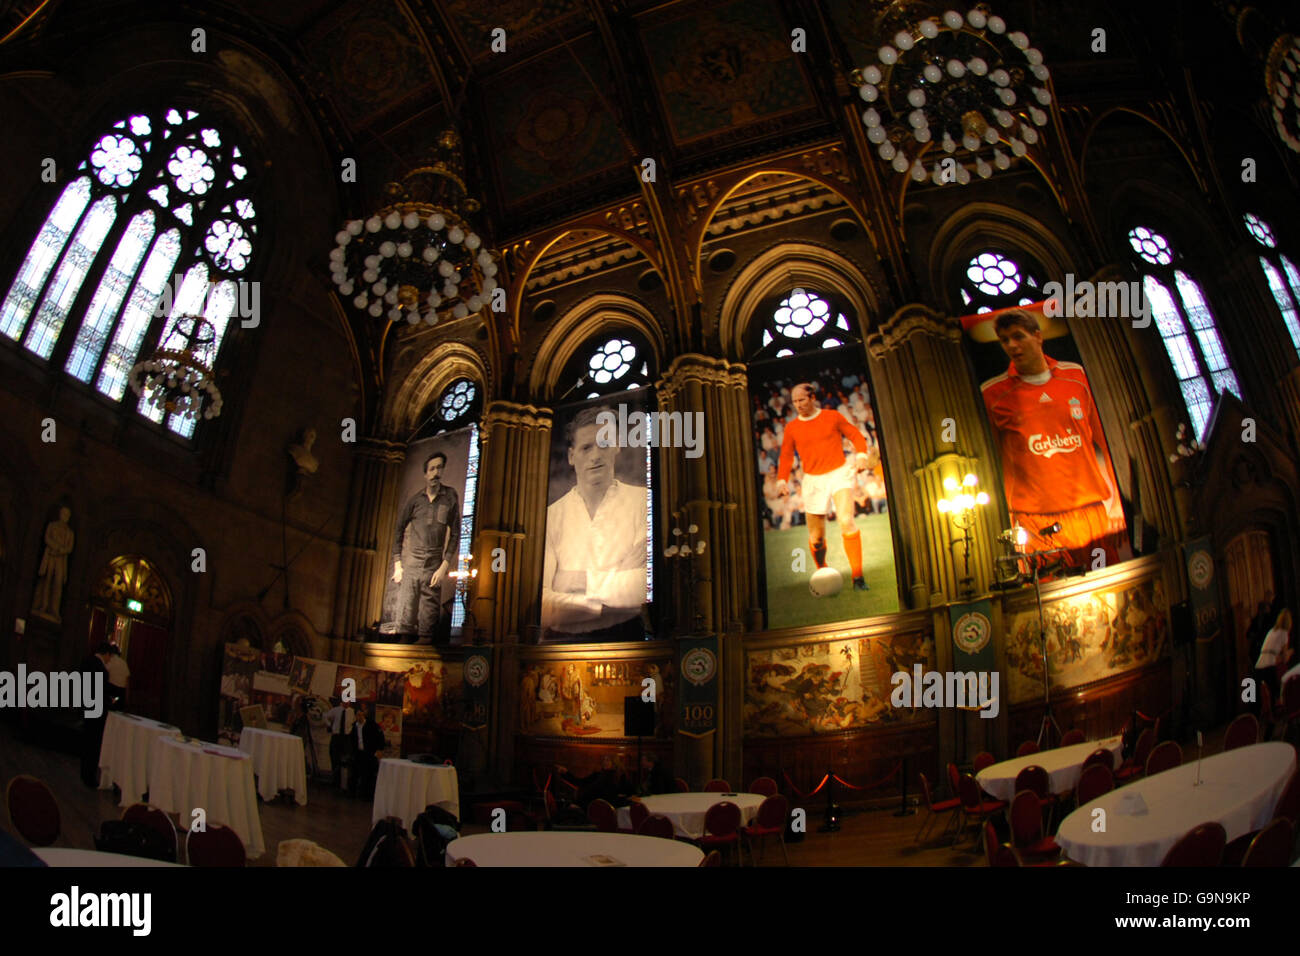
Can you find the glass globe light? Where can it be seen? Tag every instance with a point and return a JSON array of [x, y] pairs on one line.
[[392, 220], [888, 55], [932, 73], [410, 220], [916, 98], [929, 29]]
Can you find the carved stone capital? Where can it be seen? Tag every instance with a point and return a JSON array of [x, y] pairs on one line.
[[912, 319]]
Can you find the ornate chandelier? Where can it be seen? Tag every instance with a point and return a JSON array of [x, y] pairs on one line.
[[417, 257], [959, 84], [178, 377]]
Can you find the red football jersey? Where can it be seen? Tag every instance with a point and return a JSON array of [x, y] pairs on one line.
[[819, 441], [1047, 435]]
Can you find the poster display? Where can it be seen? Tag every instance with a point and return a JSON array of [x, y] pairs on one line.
[[597, 571], [822, 497], [1056, 466], [585, 698]]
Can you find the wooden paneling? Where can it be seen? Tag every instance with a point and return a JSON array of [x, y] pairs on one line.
[[1099, 709], [582, 757]]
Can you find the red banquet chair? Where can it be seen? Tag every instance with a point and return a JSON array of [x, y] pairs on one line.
[[721, 828], [657, 825], [717, 785], [1242, 732], [973, 805], [1132, 769], [1095, 781], [1072, 737], [33, 810], [983, 760], [465, 861], [935, 809], [219, 845], [639, 813], [764, 786], [602, 813], [714, 858], [1166, 756], [1027, 748], [1027, 827], [1036, 779], [1200, 846], [681, 785], [156, 820], [770, 821], [1271, 846], [1099, 758]]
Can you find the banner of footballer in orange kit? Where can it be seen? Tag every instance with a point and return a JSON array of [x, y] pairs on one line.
[[1056, 465]]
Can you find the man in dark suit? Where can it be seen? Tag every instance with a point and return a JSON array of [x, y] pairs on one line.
[[369, 742], [92, 737]]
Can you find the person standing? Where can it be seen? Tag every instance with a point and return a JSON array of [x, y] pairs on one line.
[[118, 677], [92, 737], [429, 525], [369, 742], [340, 719], [817, 436], [1275, 654]]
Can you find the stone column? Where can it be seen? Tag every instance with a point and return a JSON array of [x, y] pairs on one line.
[[514, 468], [933, 426], [367, 536], [715, 491]]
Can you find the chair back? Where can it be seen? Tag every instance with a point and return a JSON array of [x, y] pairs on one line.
[[717, 785], [1242, 732], [1034, 778], [1288, 805], [1072, 737], [639, 813], [984, 759], [384, 847], [156, 820], [681, 785], [1146, 743], [218, 845], [466, 861], [991, 843], [954, 776], [926, 794], [773, 812], [723, 819], [1099, 758], [657, 825], [1166, 756], [1027, 748], [127, 838], [1271, 846], [714, 858], [33, 810], [1200, 846], [765, 786], [1006, 855], [1093, 783], [1026, 819], [969, 791], [602, 813]]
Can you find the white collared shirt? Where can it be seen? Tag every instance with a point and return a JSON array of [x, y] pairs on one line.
[[610, 548]]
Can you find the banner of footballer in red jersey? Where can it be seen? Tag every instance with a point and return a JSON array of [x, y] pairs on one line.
[[1056, 465]]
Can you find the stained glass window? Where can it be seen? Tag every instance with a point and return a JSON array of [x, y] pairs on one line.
[[1283, 280]]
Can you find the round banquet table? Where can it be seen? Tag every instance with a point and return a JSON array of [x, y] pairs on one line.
[[1063, 766], [184, 776], [278, 762], [124, 754], [404, 788], [1238, 789], [687, 810], [581, 848], [63, 856]]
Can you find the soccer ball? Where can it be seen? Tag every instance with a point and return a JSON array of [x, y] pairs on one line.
[[826, 582]]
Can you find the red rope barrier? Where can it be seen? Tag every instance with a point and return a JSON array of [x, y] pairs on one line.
[[799, 793], [872, 786], [1153, 719]]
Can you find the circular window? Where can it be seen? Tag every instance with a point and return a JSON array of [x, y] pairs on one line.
[[612, 361], [456, 400], [801, 314], [994, 274], [1261, 230], [1151, 246]]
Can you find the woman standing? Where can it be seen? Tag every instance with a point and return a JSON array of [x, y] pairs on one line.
[[1275, 654]]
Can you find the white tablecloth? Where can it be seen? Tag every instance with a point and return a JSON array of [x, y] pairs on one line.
[[185, 776], [1063, 766], [405, 788], [1239, 789], [124, 754], [687, 810], [556, 848], [64, 856], [278, 762]]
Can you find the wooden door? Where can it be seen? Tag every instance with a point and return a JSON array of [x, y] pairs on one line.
[[1248, 561]]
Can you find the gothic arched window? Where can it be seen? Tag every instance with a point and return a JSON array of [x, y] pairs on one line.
[[1186, 326], [1283, 278], [156, 227]]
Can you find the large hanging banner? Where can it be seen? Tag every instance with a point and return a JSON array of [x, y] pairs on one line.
[[596, 576], [698, 665], [477, 690], [972, 636], [819, 460], [424, 549], [1199, 556], [1056, 465]]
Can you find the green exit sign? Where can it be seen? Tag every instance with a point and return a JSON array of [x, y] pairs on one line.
[[135, 606]]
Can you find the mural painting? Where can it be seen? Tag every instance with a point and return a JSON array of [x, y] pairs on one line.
[[585, 698]]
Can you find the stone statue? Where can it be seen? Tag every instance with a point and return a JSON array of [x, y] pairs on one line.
[[53, 572]]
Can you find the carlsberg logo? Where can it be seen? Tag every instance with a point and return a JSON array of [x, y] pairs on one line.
[[1049, 445]]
